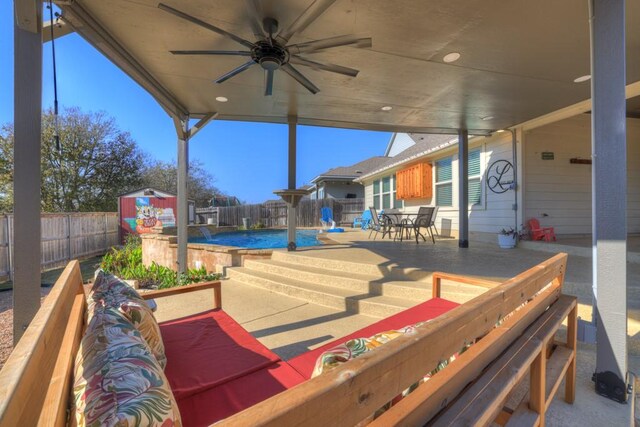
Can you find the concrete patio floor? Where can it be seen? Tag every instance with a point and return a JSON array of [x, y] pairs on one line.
[[290, 326]]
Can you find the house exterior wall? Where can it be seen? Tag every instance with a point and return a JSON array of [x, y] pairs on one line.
[[400, 142], [557, 192], [494, 212], [335, 190]]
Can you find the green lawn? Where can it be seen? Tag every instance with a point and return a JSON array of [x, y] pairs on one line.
[[48, 278]]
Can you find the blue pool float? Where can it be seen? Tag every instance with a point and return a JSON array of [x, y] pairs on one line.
[[335, 230]]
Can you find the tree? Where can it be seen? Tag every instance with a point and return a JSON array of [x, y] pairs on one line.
[[164, 176], [96, 162]]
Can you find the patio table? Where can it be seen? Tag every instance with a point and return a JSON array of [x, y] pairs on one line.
[[402, 222]]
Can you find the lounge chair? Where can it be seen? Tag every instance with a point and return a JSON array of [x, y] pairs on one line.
[[327, 218], [541, 233], [363, 220]]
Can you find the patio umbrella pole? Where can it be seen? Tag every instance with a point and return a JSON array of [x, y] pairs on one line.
[[291, 211]]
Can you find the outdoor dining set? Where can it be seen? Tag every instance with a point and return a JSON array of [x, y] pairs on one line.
[[403, 225]]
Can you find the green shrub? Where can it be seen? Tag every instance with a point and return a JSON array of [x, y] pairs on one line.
[[126, 263]]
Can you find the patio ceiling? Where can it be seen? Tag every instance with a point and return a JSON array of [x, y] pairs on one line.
[[518, 60]]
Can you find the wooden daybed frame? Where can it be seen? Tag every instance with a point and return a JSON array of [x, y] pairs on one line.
[[36, 380]]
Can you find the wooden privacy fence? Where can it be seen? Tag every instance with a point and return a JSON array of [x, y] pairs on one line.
[[274, 214], [65, 236]]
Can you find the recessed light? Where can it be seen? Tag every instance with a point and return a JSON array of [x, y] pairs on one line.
[[487, 118], [500, 131], [387, 108], [221, 99], [451, 57], [582, 78]]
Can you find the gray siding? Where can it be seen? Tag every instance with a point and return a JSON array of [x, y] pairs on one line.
[[557, 192]]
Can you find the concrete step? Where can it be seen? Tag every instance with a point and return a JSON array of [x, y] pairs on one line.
[[325, 263], [342, 299], [416, 291], [407, 289], [387, 272]]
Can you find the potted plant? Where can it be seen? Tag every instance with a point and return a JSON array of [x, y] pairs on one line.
[[507, 238]]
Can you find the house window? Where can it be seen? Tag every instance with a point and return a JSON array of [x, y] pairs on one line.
[[475, 189], [376, 194], [444, 185], [397, 204], [384, 193]]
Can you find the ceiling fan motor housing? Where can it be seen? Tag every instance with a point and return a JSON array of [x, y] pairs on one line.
[[270, 57]]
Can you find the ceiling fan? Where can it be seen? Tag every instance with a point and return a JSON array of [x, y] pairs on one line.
[[271, 51]]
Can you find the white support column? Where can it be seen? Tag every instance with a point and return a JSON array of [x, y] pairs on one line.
[[520, 171], [463, 188], [183, 196], [26, 163], [291, 208], [609, 191]]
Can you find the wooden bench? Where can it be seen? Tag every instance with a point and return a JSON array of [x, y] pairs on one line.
[[473, 390]]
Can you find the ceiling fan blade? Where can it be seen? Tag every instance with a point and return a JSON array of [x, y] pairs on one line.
[[287, 68], [314, 10], [235, 71], [255, 18], [316, 45], [211, 52], [268, 82], [339, 69], [203, 24]]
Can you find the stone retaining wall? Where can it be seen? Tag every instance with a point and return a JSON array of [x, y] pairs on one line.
[[163, 250]]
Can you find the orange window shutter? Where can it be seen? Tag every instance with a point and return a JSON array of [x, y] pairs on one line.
[[415, 182]]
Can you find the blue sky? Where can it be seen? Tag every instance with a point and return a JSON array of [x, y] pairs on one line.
[[248, 160]]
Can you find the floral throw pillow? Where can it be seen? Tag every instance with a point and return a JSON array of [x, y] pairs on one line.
[[356, 347], [108, 291], [118, 381]]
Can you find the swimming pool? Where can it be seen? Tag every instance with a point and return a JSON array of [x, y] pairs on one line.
[[259, 239]]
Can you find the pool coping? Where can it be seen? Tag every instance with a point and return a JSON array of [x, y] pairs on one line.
[[162, 249]]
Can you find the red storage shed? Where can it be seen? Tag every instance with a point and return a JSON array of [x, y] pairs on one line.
[[141, 210]]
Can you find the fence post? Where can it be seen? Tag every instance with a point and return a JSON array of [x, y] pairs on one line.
[[106, 230], [69, 237], [9, 241]]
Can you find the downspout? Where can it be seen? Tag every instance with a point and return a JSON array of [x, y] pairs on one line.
[[514, 151]]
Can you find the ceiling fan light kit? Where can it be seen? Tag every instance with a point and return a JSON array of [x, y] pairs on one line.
[[271, 51]]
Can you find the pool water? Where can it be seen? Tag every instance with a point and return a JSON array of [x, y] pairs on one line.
[[259, 239]]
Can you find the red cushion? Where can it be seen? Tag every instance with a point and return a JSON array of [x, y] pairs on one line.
[[217, 403], [207, 349], [433, 308]]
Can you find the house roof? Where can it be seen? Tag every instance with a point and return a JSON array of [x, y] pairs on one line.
[[425, 144], [353, 171]]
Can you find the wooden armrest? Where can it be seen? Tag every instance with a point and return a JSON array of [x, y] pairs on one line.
[[217, 291], [438, 276]]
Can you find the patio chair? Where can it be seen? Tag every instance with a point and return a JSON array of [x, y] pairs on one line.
[[425, 219], [433, 220], [541, 233], [327, 218], [363, 220], [379, 224], [393, 219]]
